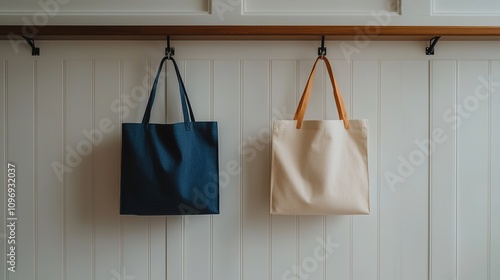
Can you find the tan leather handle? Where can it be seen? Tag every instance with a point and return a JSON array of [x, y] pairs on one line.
[[339, 101]]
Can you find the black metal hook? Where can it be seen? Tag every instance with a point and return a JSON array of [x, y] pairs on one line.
[[31, 42], [430, 49], [322, 49], [169, 51]]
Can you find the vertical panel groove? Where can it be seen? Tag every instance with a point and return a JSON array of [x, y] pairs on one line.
[[149, 248], [351, 234], [242, 167], [6, 134], [183, 228], [64, 241], [6, 142], [324, 249], [490, 90], [429, 196], [166, 250], [297, 223], [455, 102], [5, 146], [402, 195], [92, 182], [4, 159], [269, 111], [120, 118], [35, 168], [379, 128], [241, 164], [323, 108], [494, 177], [212, 105], [351, 219], [149, 218]]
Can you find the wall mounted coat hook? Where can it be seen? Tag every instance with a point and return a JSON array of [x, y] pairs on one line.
[[430, 49], [322, 49], [31, 42], [169, 51]]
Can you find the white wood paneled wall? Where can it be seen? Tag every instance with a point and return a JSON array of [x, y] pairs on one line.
[[437, 217]]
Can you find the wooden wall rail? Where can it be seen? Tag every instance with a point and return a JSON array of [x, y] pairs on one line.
[[89, 32]]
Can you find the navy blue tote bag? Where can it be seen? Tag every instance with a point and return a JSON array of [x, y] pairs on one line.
[[170, 169]]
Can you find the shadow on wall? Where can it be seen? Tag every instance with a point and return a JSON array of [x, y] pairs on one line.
[[91, 176]]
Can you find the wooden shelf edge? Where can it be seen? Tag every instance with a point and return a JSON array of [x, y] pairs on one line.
[[216, 32]]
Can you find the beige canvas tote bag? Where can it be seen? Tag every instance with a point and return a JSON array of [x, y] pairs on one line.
[[320, 167]]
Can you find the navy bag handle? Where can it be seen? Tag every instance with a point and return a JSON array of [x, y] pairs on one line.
[[188, 118]]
